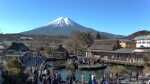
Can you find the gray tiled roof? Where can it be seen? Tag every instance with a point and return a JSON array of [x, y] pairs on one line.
[[124, 50], [102, 47]]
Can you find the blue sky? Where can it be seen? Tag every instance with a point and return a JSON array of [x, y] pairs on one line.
[[113, 16]]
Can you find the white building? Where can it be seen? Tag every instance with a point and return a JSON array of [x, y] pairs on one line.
[[142, 41]]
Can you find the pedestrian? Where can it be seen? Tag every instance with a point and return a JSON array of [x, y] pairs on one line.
[[59, 79], [94, 81], [1, 79], [82, 79], [105, 82], [90, 79]]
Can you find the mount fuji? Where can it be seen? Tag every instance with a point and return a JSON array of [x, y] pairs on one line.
[[64, 26]]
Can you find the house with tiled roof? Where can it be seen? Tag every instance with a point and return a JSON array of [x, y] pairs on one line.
[[110, 51]]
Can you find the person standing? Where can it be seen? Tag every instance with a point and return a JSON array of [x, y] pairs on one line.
[[104, 81], [94, 81], [1, 79], [82, 79], [90, 79]]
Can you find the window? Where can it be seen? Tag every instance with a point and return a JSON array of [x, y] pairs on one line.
[[143, 42], [138, 42]]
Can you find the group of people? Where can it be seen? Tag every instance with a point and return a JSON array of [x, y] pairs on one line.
[[47, 76], [93, 80], [37, 76]]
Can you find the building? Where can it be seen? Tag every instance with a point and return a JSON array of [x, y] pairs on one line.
[[110, 51], [15, 50], [106, 44], [59, 57], [59, 52], [2, 48], [127, 43], [29, 60], [20, 47], [142, 41], [103, 45]]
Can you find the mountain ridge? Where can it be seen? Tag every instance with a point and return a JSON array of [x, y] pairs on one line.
[[64, 26], [138, 33]]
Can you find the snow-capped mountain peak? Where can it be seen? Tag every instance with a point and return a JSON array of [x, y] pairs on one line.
[[63, 26], [62, 21]]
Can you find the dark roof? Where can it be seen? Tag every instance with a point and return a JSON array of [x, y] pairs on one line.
[[60, 48], [60, 52], [126, 40], [107, 44], [124, 50], [18, 47], [130, 50], [102, 47]]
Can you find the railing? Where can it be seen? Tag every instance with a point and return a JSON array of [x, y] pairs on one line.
[[123, 62]]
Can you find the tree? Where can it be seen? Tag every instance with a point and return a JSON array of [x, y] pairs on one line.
[[98, 36], [79, 41], [71, 69], [13, 67], [146, 69], [118, 69], [86, 39], [147, 59], [117, 45], [50, 51], [14, 74]]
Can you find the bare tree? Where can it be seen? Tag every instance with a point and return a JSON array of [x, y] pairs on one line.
[[79, 41]]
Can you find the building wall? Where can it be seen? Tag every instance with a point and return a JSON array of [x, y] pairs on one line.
[[119, 57], [143, 43], [123, 44], [128, 44]]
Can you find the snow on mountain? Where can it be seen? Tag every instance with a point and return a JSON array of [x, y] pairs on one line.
[[63, 26], [61, 21]]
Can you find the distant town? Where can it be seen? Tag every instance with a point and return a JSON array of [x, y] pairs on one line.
[[82, 58]]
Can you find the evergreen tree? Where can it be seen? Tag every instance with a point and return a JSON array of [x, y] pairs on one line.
[[98, 36]]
